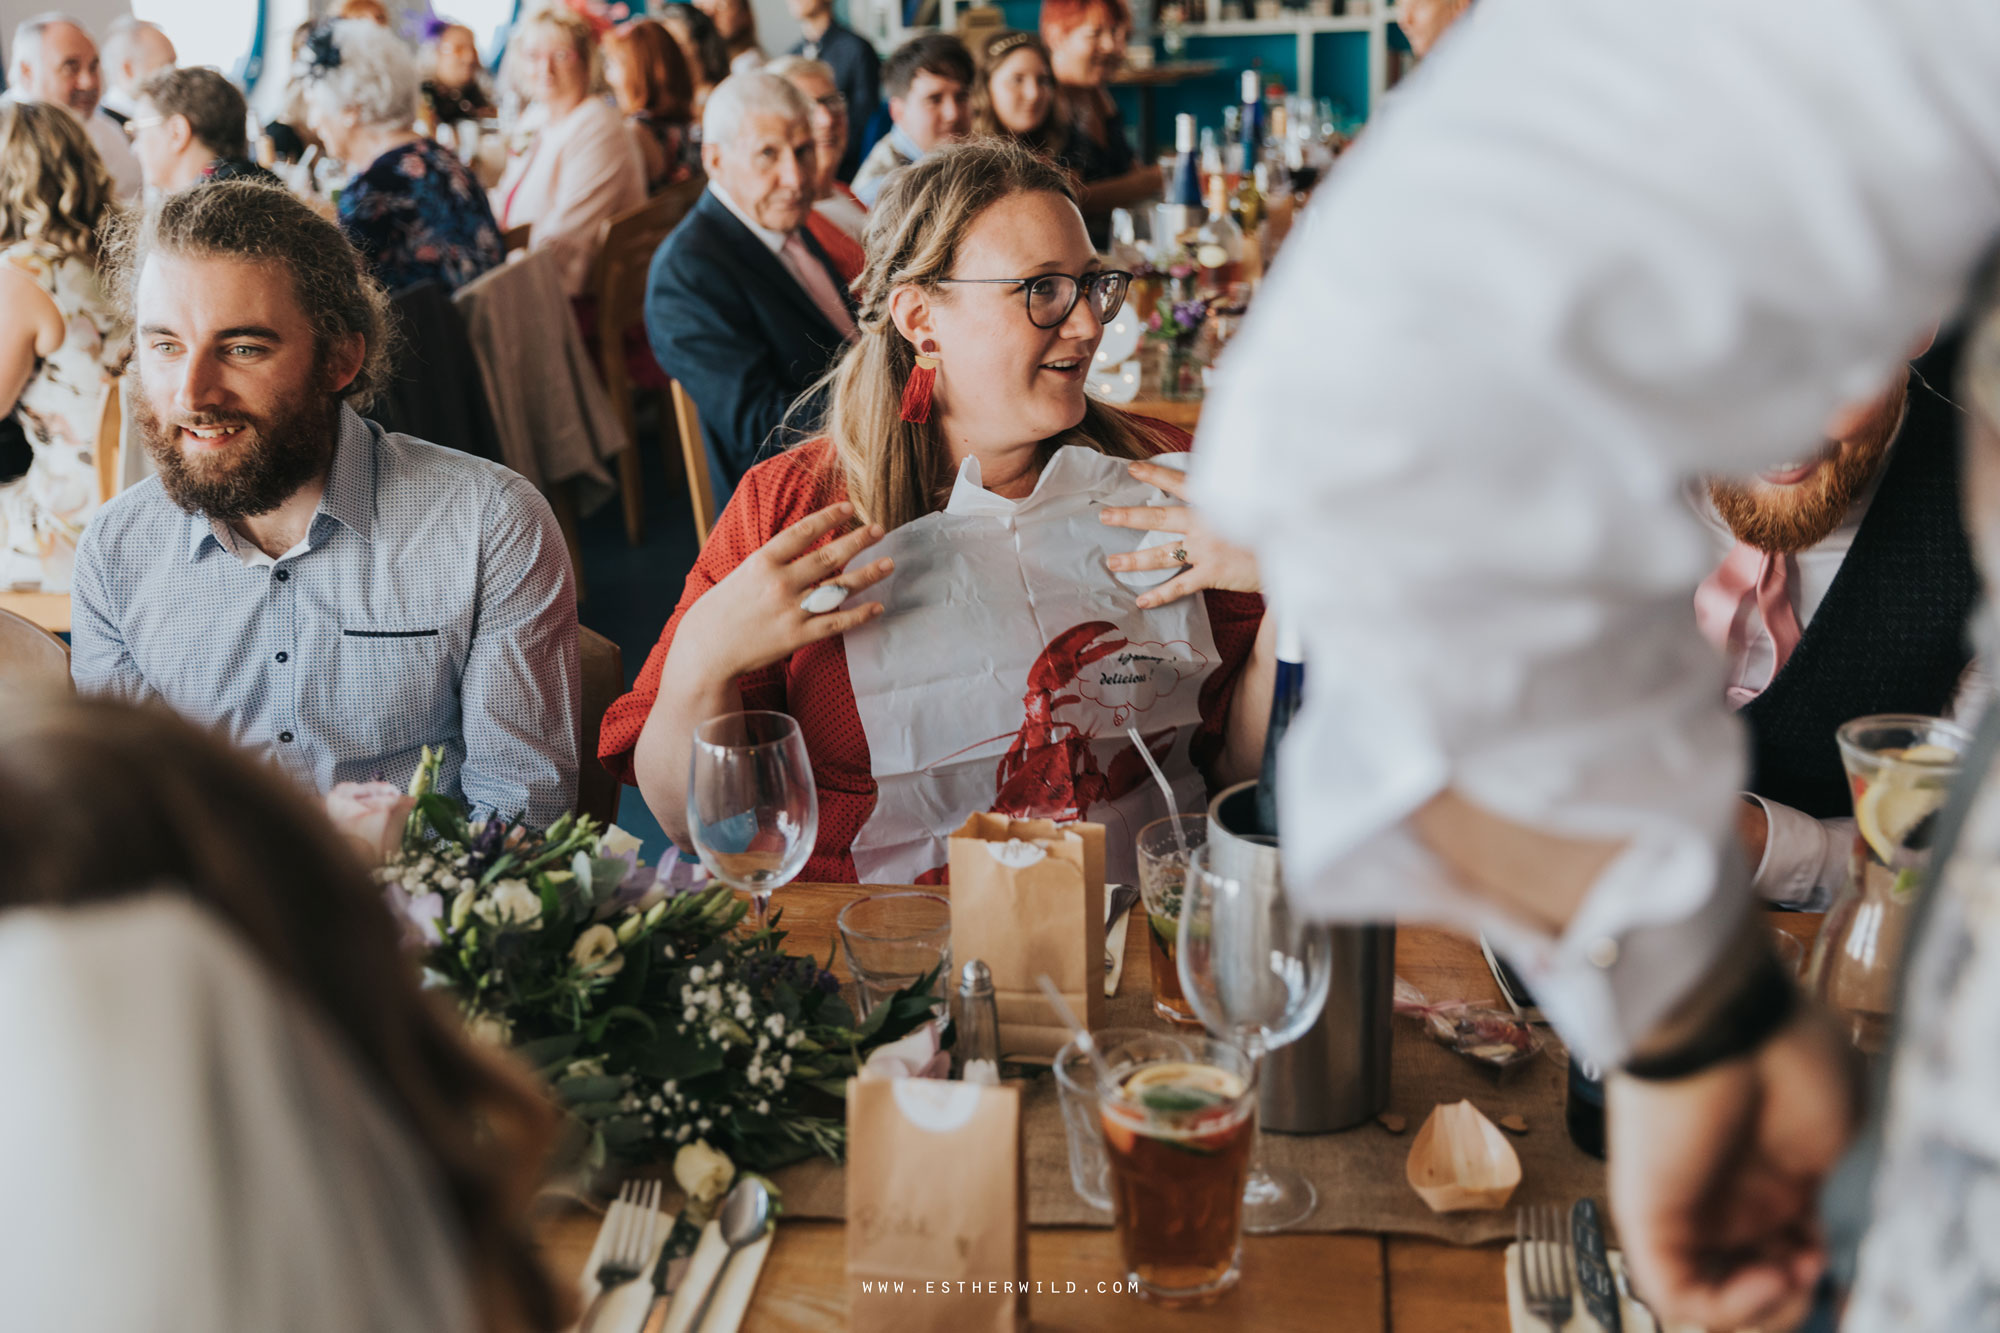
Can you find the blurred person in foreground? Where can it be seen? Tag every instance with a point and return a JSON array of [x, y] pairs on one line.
[[1086, 44], [62, 343], [839, 220], [928, 81], [578, 167], [133, 51], [743, 306], [230, 1044], [1004, 418], [649, 77], [332, 596], [1015, 92], [55, 61], [1513, 721], [1843, 589], [412, 207], [856, 69], [190, 125]]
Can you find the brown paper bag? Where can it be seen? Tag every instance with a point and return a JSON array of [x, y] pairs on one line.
[[1025, 920], [937, 1207]]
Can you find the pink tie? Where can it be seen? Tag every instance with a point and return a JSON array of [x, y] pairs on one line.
[[1748, 577], [805, 266]]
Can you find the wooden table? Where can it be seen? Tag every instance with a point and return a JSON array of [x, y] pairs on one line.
[[50, 610], [1182, 412], [1346, 1283]]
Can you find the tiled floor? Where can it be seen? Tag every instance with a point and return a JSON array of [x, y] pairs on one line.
[[631, 590]]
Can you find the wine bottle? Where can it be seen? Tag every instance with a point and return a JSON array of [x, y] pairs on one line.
[[1186, 190], [1253, 117], [1287, 692]]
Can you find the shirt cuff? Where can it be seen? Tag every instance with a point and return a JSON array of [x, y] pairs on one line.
[[1805, 859]]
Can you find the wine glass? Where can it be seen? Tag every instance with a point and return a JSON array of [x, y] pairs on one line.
[[752, 809], [1256, 976]]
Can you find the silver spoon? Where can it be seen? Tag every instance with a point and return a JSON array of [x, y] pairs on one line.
[[746, 1215]]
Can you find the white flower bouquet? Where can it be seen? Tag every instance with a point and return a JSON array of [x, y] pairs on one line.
[[656, 1024]]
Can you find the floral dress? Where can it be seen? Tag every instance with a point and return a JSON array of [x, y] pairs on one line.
[[43, 512], [417, 214]]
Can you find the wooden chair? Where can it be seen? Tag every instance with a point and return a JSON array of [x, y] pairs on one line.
[[30, 656], [597, 791], [516, 238], [619, 280], [694, 456]]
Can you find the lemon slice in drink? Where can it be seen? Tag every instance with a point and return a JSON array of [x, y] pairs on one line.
[[1897, 801]]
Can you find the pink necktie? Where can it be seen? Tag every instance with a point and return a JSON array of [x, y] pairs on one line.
[[1748, 577], [812, 276]]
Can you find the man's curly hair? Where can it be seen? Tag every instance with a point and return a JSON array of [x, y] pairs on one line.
[[264, 224]]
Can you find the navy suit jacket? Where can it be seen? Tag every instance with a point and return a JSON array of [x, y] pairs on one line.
[[857, 72], [729, 321]]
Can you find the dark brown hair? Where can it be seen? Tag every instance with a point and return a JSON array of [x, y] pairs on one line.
[[935, 53], [100, 801], [211, 104], [647, 72], [265, 224]]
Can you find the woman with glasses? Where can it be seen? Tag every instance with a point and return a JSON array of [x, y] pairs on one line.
[[576, 165], [977, 262]]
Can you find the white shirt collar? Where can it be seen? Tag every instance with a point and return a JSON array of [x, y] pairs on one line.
[[774, 241]]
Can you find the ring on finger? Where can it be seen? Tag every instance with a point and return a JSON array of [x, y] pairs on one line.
[[826, 597], [1180, 554]]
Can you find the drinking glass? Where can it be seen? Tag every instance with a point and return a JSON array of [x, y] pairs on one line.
[[1081, 1098], [1900, 769], [1163, 868], [1177, 1144], [1256, 976], [752, 809], [892, 940]]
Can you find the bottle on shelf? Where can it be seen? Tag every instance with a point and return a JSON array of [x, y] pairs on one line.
[[1247, 204], [1182, 212], [1255, 125], [1234, 163], [1287, 693], [1218, 246]]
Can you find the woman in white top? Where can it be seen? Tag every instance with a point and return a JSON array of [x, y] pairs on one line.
[[577, 166], [60, 344], [245, 1113]]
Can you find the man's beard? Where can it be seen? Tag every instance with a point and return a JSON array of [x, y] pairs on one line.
[[1789, 519], [263, 465]]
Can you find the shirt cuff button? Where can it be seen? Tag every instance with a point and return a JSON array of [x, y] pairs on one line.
[[1602, 952]]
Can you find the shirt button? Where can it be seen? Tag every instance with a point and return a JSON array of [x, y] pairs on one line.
[[284, 657], [282, 575], [285, 737], [1602, 953]]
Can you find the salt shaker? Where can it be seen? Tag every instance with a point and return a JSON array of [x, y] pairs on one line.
[[977, 1051]]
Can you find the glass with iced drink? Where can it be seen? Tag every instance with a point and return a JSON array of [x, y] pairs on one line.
[[1163, 863], [1177, 1136]]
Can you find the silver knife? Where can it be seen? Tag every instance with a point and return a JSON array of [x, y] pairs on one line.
[[675, 1256], [1593, 1269]]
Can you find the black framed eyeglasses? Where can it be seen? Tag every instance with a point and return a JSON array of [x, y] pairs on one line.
[[1051, 296]]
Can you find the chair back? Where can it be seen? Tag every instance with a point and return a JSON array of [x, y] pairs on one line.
[[110, 438], [516, 237], [620, 275], [701, 493], [597, 791], [30, 656]]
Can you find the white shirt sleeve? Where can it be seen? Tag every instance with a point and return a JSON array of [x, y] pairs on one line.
[[1593, 250], [1805, 859]]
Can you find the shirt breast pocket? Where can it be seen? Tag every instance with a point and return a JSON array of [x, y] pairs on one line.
[[394, 688]]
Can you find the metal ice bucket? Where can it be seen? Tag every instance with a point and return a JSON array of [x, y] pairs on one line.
[[1337, 1074]]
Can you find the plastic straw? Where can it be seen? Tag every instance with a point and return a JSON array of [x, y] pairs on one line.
[[1084, 1041], [1180, 837]]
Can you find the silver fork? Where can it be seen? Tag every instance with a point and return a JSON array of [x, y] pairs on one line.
[[630, 1226], [1546, 1264]]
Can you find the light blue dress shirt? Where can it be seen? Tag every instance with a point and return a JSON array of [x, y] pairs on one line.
[[431, 603]]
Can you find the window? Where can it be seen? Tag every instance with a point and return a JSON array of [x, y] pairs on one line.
[[222, 33]]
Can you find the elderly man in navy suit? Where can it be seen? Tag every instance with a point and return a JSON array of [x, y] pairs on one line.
[[742, 305]]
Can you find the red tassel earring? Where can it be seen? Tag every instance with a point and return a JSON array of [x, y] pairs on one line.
[[917, 392]]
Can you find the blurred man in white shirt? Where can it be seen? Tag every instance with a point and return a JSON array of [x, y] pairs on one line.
[[56, 61]]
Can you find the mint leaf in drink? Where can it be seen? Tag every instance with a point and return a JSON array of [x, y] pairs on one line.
[[1178, 1101]]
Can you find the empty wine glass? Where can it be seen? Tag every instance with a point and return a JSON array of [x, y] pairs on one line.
[[752, 809], [1256, 976]]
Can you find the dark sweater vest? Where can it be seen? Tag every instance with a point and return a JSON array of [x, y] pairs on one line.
[[1890, 636]]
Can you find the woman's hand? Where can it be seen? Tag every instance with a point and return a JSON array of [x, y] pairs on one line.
[[1204, 559], [752, 618]]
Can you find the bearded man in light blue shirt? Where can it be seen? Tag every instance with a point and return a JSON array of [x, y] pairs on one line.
[[326, 593]]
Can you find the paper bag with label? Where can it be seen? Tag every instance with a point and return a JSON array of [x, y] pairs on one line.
[[937, 1207], [1027, 897]]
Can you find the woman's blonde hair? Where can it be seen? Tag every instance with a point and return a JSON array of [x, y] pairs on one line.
[[582, 39], [53, 186], [894, 470]]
